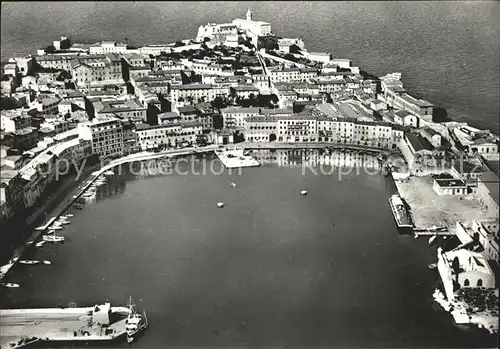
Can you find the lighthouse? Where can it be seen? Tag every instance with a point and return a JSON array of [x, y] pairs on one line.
[[249, 15]]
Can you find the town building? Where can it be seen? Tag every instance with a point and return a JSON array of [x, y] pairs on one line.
[[234, 117], [98, 69], [197, 92], [105, 135], [463, 269], [122, 109], [104, 47], [168, 135], [449, 187], [487, 193], [261, 128]]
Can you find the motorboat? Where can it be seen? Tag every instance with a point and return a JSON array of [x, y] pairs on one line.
[[303, 192], [46, 262], [56, 227], [29, 262], [432, 266], [69, 215], [63, 221], [135, 322], [233, 185], [52, 238], [40, 243], [220, 204], [9, 284]]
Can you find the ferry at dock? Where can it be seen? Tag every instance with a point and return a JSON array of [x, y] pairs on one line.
[[400, 212], [135, 322]]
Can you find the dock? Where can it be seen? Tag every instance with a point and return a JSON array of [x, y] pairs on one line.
[[235, 158], [21, 327], [430, 210]]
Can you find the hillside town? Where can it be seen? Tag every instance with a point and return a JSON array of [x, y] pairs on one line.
[[239, 82]]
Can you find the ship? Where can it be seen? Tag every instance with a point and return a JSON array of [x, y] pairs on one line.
[[135, 322], [400, 212]]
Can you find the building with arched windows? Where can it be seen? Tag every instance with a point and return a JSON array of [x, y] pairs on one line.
[[464, 269]]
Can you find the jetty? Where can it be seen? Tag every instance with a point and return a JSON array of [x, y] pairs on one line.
[[234, 157], [21, 327]]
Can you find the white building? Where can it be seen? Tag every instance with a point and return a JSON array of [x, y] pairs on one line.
[[235, 117], [168, 135], [105, 134], [107, 47], [463, 269]]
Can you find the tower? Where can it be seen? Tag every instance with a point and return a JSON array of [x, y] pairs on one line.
[[249, 15]]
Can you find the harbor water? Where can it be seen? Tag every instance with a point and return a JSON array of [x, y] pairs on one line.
[[272, 268], [447, 51]]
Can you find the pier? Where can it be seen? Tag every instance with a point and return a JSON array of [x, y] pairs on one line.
[[235, 158], [21, 327]]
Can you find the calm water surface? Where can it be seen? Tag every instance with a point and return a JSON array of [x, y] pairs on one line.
[[271, 269], [448, 51]]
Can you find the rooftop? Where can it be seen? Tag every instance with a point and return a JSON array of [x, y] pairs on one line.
[[470, 261], [418, 142], [240, 110], [449, 183]]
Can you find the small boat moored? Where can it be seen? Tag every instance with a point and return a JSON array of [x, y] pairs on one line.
[[233, 185], [303, 192], [29, 261], [9, 284], [220, 204], [46, 262]]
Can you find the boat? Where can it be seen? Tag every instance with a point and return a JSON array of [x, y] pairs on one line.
[[432, 266], [220, 204], [40, 243], [9, 284], [432, 238], [109, 173], [68, 215], [53, 238], [135, 322], [29, 261], [46, 262], [303, 192], [56, 227], [233, 185], [78, 206], [400, 212], [63, 221]]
